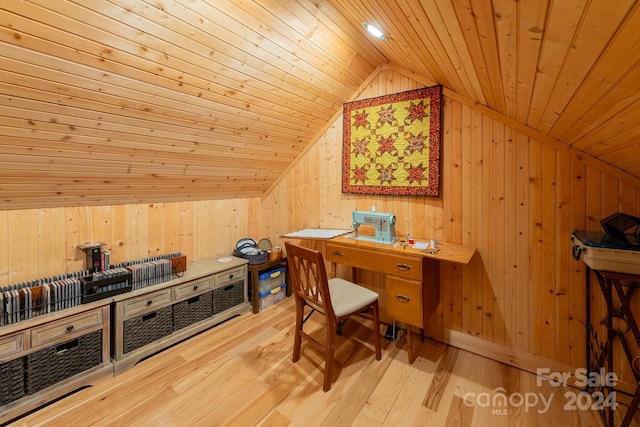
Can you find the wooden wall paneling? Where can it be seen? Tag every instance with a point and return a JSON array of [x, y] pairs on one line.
[[4, 247], [454, 234], [510, 238], [101, 224], [594, 198], [292, 202], [338, 211], [610, 195], [450, 133], [210, 227], [593, 209], [121, 236], [466, 210], [156, 239], [253, 216], [536, 286], [185, 229], [524, 245], [51, 241], [487, 229], [315, 204], [628, 199], [472, 317], [548, 261], [78, 230], [23, 237], [171, 227], [199, 229], [274, 215], [323, 172], [576, 276], [498, 218], [563, 258], [228, 219], [139, 217]]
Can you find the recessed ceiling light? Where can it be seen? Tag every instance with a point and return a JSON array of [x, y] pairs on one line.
[[374, 31]]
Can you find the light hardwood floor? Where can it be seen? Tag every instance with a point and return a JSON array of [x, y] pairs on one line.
[[240, 373]]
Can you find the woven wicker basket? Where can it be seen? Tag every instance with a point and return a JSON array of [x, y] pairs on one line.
[[259, 258], [11, 381], [59, 362], [147, 328], [191, 311], [228, 296]]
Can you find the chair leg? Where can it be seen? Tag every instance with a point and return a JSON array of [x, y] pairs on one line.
[[297, 339], [376, 330], [329, 359]]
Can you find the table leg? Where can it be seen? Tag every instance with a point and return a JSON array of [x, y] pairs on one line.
[[410, 349], [254, 293]]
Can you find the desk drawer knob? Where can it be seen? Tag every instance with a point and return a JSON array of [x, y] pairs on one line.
[[338, 253], [195, 287], [403, 267], [69, 328], [149, 301], [403, 298]]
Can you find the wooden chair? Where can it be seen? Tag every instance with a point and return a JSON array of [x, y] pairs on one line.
[[336, 299]]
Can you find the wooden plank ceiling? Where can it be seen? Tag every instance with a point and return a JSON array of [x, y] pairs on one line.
[[126, 101]]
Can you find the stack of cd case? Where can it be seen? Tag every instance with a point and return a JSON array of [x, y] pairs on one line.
[[24, 300], [150, 271], [104, 284]]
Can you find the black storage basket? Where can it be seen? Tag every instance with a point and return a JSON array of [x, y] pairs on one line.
[[229, 296], [11, 381], [191, 311], [59, 362], [147, 328], [620, 224]]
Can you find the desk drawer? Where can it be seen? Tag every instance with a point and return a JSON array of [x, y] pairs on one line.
[[406, 266], [192, 289], [146, 303], [66, 328], [13, 344], [229, 276], [404, 300]]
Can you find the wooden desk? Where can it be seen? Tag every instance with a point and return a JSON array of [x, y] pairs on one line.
[[412, 275]]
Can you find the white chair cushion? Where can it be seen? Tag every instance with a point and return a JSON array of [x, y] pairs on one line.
[[347, 297]]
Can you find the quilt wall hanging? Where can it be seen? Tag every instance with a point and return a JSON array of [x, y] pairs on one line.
[[392, 144]]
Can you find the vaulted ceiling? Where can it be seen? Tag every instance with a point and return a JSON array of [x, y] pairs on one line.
[[122, 101]]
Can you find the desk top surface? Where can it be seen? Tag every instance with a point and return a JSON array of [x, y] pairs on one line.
[[449, 252]]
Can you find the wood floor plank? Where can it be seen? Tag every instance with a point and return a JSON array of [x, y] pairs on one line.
[[459, 414], [441, 377]]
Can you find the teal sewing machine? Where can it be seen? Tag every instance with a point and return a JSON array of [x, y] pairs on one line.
[[384, 225]]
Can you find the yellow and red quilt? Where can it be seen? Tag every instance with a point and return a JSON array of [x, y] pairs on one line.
[[392, 144]]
